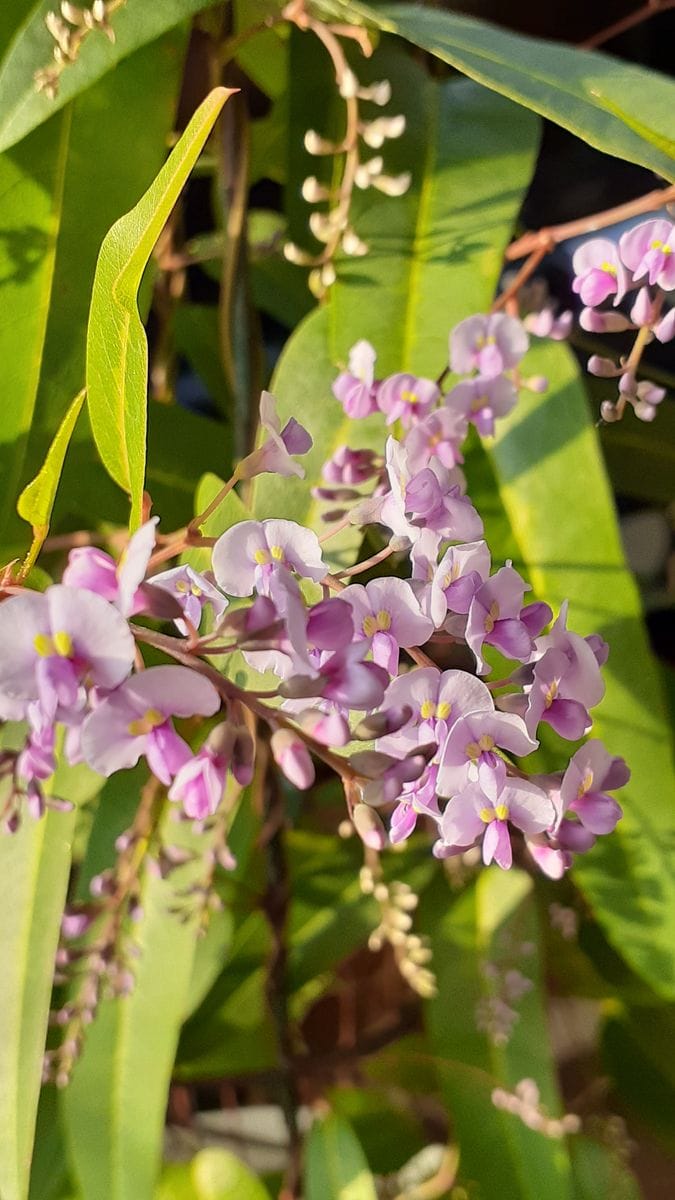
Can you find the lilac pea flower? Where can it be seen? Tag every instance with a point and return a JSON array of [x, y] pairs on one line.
[[406, 398], [599, 272], [274, 455], [119, 582], [342, 678], [591, 774], [459, 574], [247, 555], [471, 815], [356, 388], [649, 395], [438, 435], [135, 720], [387, 615], [199, 784], [429, 500], [349, 466], [551, 861], [552, 700], [193, 592], [545, 323], [437, 699], [583, 680], [471, 750], [487, 344], [482, 399], [292, 757], [37, 760], [649, 250], [419, 799], [55, 643], [497, 617]]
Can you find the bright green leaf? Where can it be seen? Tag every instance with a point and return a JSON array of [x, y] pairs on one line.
[[335, 1165], [135, 25], [484, 943], [117, 351], [220, 1175], [36, 501], [34, 868], [612, 104]]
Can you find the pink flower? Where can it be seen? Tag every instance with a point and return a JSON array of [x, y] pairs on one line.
[[456, 579], [119, 582], [470, 752], [56, 643], [387, 615], [471, 815], [356, 388], [497, 617], [438, 435], [406, 398], [591, 774], [193, 592], [487, 344], [248, 553], [436, 699], [135, 720], [482, 399], [274, 455], [427, 500], [599, 272], [649, 250]]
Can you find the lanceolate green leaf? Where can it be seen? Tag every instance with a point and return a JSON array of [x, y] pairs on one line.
[[335, 1165], [486, 958], [58, 197], [555, 492], [37, 498], [135, 25], [34, 867], [621, 108], [117, 350]]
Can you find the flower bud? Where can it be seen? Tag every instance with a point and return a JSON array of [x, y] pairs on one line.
[[608, 412], [665, 330], [369, 827], [604, 368], [313, 191], [292, 757], [377, 93], [378, 724], [330, 729], [643, 310], [393, 185], [603, 322]]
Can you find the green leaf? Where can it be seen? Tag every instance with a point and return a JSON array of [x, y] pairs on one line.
[[547, 462], [135, 25], [114, 1107], [601, 1171], [213, 1174], [117, 349], [484, 942], [34, 868], [36, 501], [58, 197], [335, 1165], [616, 106]]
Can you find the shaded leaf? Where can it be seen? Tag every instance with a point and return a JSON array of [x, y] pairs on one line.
[[117, 352], [614, 105], [335, 1165]]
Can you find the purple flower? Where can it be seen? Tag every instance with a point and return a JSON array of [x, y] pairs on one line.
[[487, 344], [119, 582], [356, 388], [436, 699], [649, 249], [387, 615], [551, 699], [582, 678], [343, 678], [459, 574], [497, 617], [438, 435], [470, 752], [591, 774], [429, 500], [199, 784], [246, 555], [599, 272], [545, 323], [55, 643], [482, 399], [193, 592], [292, 757], [274, 455], [472, 815], [406, 398], [349, 466], [135, 720]]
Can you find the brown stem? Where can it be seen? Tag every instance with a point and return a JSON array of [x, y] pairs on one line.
[[528, 268], [552, 235], [650, 9]]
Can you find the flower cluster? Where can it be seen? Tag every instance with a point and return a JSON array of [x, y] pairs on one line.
[[386, 682], [69, 27], [643, 262]]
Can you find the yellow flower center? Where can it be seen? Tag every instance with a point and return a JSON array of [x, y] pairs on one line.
[[491, 617], [662, 246], [551, 693], [478, 403], [608, 268], [377, 623], [410, 397], [484, 745], [443, 710], [61, 643], [427, 709], [487, 815], [585, 785], [151, 718]]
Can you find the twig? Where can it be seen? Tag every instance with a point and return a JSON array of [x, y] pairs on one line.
[[650, 9]]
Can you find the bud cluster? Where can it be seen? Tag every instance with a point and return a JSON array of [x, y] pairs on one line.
[[69, 27], [643, 261]]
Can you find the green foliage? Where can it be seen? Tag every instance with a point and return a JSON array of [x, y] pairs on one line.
[[212, 1175], [34, 867], [613, 105], [117, 351], [335, 1165], [36, 501]]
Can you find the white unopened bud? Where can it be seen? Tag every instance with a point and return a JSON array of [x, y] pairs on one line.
[[377, 93], [608, 412], [377, 132], [368, 171], [393, 185], [352, 244], [328, 275], [295, 255], [315, 144], [322, 226], [349, 85], [313, 191]]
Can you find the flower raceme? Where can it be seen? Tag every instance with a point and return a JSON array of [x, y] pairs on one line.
[[346, 663]]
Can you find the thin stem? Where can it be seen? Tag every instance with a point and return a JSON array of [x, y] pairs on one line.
[[625, 23], [552, 235], [528, 268]]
